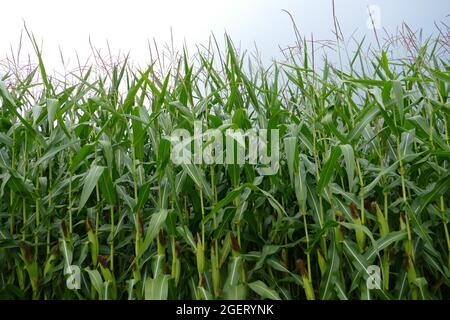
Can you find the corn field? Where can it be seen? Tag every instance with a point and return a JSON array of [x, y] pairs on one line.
[[88, 190]]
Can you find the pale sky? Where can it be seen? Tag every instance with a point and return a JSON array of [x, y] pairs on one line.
[[128, 24]]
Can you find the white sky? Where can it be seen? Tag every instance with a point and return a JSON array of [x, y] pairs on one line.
[[128, 24]]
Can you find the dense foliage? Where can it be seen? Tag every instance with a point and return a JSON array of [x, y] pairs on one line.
[[86, 180]]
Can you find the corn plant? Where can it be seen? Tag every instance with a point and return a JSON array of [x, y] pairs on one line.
[[88, 187]]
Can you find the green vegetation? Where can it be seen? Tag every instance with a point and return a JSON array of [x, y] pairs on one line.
[[86, 180]]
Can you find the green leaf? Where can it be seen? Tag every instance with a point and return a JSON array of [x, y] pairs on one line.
[[290, 144], [187, 236], [385, 242], [389, 170], [263, 290], [349, 159], [108, 152], [163, 153], [52, 106], [442, 186], [96, 281], [107, 187], [131, 95], [363, 120], [266, 251], [144, 193], [5, 139], [81, 155], [234, 270], [11, 105], [52, 152], [331, 272], [328, 169], [300, 186], [138, 132], [90, 181], [157, 289], [237, 292], [398, 96], [194, 172], [406, 142], [156, 222]]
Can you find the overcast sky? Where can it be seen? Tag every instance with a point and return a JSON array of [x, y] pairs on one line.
[[128, 24]]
